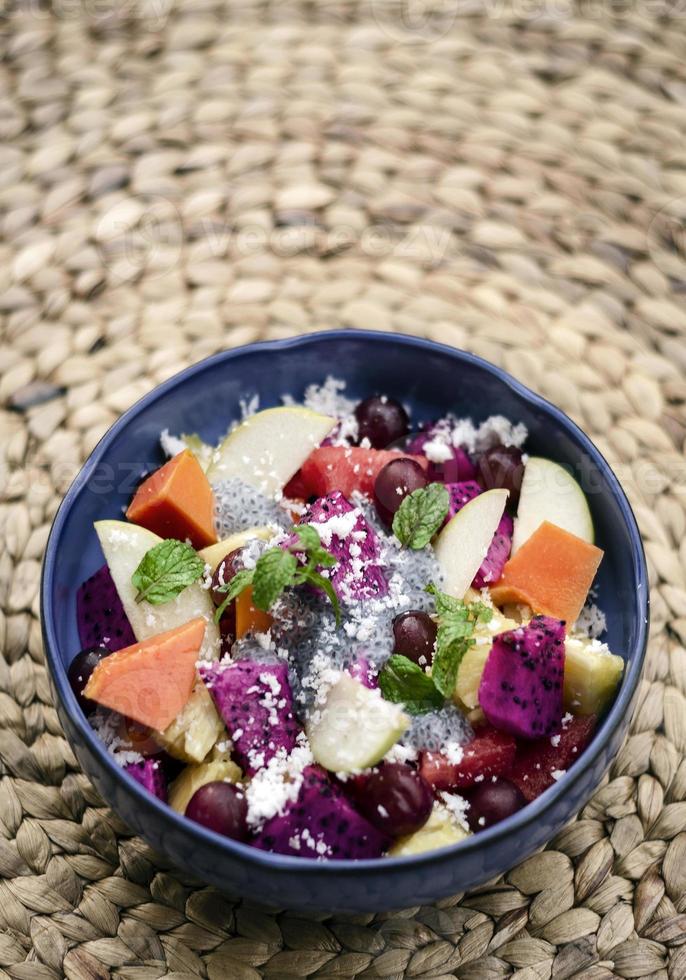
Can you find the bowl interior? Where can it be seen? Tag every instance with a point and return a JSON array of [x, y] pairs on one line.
[[430, 379]]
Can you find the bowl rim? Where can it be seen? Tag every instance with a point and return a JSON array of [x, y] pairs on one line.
[[285, 863]]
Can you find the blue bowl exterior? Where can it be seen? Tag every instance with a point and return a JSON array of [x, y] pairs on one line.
[[433, 379]]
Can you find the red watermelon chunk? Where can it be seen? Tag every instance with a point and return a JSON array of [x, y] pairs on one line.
[[490, 753], [539, 764], [296, 488], [347, 469]]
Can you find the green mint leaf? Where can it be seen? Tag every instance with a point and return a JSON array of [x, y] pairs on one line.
[[403, 681], [238, 583], [317, 557], [308, 539], [324, 558], [420, 515], [446, 604], [310, 543], [165, 571], [279, 568], [314, 578], [446, 663], [275, 569], [481, 612], [456, 623]]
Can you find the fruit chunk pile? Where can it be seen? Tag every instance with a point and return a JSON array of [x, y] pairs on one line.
[[379, 655]]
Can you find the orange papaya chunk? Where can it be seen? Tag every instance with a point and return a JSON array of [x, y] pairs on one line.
[[250, 619], [176, 502], [551, 572], [150, 681]]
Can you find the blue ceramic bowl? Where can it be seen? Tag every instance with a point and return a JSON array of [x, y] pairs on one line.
[[434, 379]]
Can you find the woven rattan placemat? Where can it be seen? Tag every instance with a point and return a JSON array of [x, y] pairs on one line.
[[181, 178]]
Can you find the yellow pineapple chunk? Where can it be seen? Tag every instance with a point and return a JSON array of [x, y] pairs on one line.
[[195, 730], [192, 778], [592, 674], [440, 830], [469, 675]]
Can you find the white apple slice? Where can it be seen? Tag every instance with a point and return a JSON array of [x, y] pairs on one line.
[[270, 447], [124, 546], [464, 541], [214, 553], [550, 494], [355, 727]]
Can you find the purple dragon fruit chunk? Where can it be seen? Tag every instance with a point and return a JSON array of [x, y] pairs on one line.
[[499, 549], [458, 468], [321, 823], [150, 774], [498, 552], [363, 670], [100, 615], [521, 685], [345, 532], [256, 702], [460, 494]]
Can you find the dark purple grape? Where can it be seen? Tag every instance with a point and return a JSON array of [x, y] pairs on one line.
[[223, 573], [395, 798], [501, 468], [221, 807], [415, 634], [492, 802], [382, 420], [395, 481], [80, 671]]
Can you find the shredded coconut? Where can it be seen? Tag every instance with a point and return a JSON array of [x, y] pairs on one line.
[[453, 752], [111, 728], [591, 621], [329, 399], [276, 785], [401, 753], [249, 406], [171, 445], [452, 431], [437, 450], [457, 806]]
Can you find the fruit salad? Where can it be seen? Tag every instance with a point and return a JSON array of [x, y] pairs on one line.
[[343, 633]]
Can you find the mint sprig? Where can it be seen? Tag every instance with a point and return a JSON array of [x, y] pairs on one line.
[[275, 569], [280, 568], [401, 680], [457, 621], [421, 515], [165, 571]]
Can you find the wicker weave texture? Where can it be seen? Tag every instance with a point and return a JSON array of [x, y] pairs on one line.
[[176, 178]]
